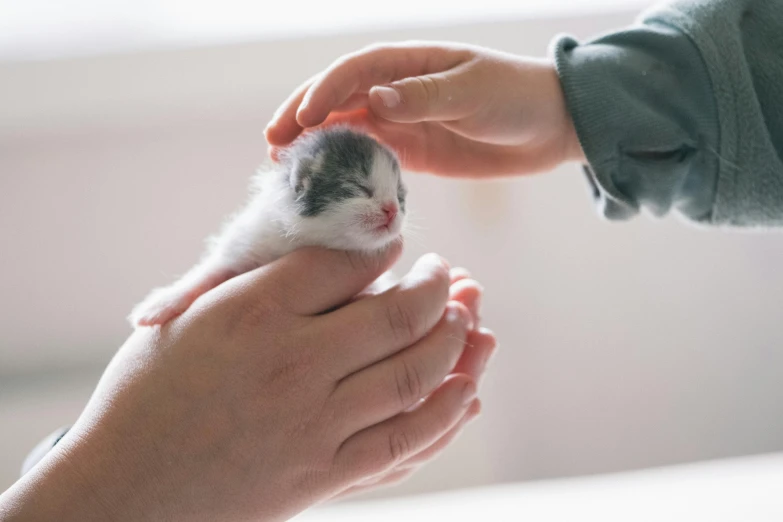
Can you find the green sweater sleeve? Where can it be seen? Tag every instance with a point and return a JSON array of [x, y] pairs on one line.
[[683, 111]]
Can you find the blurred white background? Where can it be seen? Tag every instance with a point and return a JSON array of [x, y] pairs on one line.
[[129, 129]]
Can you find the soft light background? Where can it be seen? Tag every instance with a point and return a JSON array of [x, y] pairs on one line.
[[129, 129]]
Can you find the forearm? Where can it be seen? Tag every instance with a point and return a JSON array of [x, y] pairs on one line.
[[644, 112]]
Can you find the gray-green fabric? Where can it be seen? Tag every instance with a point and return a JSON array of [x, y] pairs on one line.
[[684, 111]]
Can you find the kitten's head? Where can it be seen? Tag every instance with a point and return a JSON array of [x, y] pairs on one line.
[[347, 188]]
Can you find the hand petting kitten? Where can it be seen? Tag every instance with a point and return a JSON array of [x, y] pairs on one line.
[[446, 108]]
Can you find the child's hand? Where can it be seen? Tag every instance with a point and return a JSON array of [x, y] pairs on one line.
[[446, 108]]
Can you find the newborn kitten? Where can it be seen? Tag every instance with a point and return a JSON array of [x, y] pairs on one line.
[[334, 188]]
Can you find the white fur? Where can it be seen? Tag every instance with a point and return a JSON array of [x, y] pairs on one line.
[[270, 227]]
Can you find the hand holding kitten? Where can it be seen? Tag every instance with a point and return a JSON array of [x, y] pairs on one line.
[[266, 397]]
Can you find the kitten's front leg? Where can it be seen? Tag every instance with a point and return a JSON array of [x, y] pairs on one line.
[[164, 304]]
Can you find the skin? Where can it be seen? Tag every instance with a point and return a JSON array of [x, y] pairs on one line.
[[257, 403], [445, 108], [238, 409]]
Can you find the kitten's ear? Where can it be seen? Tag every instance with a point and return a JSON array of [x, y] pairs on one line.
[[302, 172]]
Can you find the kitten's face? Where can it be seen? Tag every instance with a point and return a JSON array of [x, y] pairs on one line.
[[349, 191]]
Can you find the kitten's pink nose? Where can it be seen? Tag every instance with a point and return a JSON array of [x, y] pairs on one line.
[[391, 210]]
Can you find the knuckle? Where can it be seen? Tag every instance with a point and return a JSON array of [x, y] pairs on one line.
[[404, 324], [440, 282], [454, 336], [409, 383], [287, 370], [428, 88], [400, 445], [374, 48], [336, 94], [293, 366], [358, 261], [249, 314]]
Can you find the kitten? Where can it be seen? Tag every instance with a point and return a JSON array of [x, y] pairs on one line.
[[335, 188]]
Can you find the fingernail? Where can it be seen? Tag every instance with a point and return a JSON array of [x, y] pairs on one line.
[[455, 313], [474, 410], [469, 393], [389, 96]]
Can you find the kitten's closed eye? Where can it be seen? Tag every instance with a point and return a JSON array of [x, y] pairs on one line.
[[367, 191]]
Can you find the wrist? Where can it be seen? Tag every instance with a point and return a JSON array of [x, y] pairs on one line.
[[573, 151], [85, 478], [55, 489], [571, 146]]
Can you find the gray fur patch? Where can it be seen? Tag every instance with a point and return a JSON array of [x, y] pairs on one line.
[[331, 165]]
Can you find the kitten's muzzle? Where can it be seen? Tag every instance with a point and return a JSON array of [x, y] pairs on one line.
[[390, 210]]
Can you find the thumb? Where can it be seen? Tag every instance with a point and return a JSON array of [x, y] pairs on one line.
[[431, 97], [313, 280]]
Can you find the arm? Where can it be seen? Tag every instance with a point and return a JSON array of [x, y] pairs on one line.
[[267, 397], [679, 112]]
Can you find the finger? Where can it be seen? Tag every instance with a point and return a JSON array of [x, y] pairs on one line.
[[283, 128], [380, 285], [281, 134], [377, 65], [410, 466], [386, 445], [395, 384], [480, 346], [355, 102], [442, 96], [274, 153], [391, 479], [381, 325], [433, 148], [458, 274], [310, 281], [469, 293], [431, 452]]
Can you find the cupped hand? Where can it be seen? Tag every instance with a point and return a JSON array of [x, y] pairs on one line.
[[446, 108], [256, 403], [479, 348]]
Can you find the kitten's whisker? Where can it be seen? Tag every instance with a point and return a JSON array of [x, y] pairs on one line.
[[414, 239], [415, 226], [469, 345]]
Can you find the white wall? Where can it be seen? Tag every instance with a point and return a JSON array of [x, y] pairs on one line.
[[622, 345]]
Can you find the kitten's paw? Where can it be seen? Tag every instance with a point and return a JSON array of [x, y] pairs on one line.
[[159, 307]]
